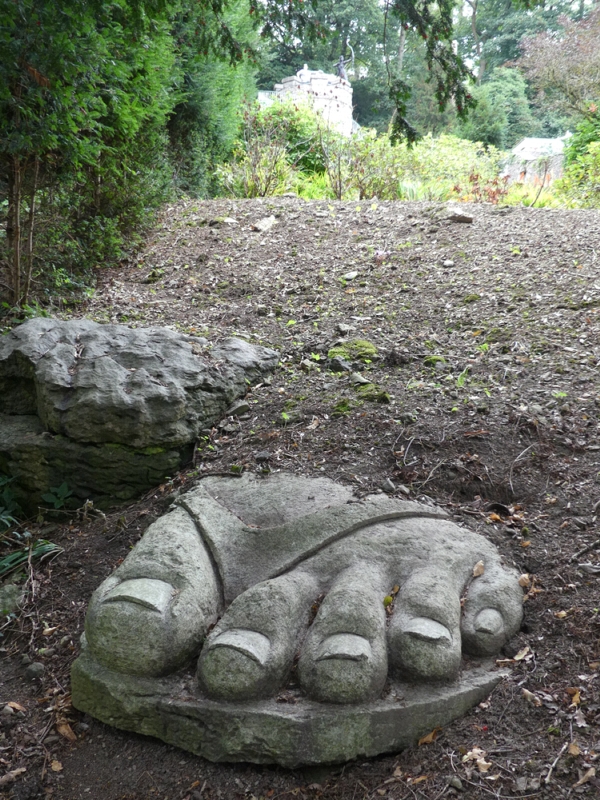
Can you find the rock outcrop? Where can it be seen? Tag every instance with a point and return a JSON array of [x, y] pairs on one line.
[[108, 409]]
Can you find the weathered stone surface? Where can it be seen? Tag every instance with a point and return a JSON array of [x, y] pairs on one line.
[[292, 732], [111, 410], [142, 387], [108, 473], [11, 597], [370, 594]]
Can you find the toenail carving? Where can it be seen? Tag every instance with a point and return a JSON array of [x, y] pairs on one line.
[[250, 643], [147, 592], [232, 574], [489, 621], [427, 629], [346, 646]]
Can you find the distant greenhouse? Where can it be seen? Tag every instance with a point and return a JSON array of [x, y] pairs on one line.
[[536, 161]]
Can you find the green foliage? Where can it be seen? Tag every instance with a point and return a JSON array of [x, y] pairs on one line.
[[581, 181], [9, 508], [580, 184], [503, 115], [277, 144], [37, 551], [99, 105], [84, 98], [586, 132], [58, 495], [287, 147], [204, 123], [372, 30], [520, 194]]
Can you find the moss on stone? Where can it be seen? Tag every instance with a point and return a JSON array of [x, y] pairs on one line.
[[372, 393], [343, 407], [354, 350]]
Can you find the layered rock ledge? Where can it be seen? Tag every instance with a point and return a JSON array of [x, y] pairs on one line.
[[108, 409]]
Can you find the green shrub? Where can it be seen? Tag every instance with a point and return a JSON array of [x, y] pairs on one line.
[[288, 147], [580, 185]]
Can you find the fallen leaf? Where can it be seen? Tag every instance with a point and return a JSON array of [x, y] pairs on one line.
[[49, 631], [579, 719], [56, 766], [532, 593], [525, 580], [594, 665], [478, 756], [561, 614], [522, 653], [495, 518], [420, 779], [398, 773], [474, 754], [591, 773], [531, 697], [430, 737], [16, 706], [525, 544], [12, 775], [65, 730], [576, 696], [573, 749], [478, 569]]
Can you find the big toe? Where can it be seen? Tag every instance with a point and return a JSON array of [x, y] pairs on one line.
[[134, 627]]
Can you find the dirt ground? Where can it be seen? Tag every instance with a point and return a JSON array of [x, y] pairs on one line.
[[482, 394]]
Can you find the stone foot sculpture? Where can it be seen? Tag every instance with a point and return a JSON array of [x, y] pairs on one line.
[[290, 578]]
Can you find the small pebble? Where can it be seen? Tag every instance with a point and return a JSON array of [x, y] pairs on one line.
[[456, 783], [34, 671], [388, 486], [262, 456], [339, 364], [26, 660], [241, 407], [7, 711], [448, 262]]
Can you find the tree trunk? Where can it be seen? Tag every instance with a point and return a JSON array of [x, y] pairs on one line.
[[30, 221], [13, 227], [401, 48], [477, 38]]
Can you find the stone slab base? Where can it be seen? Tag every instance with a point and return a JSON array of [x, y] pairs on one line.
[[288, 730]]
